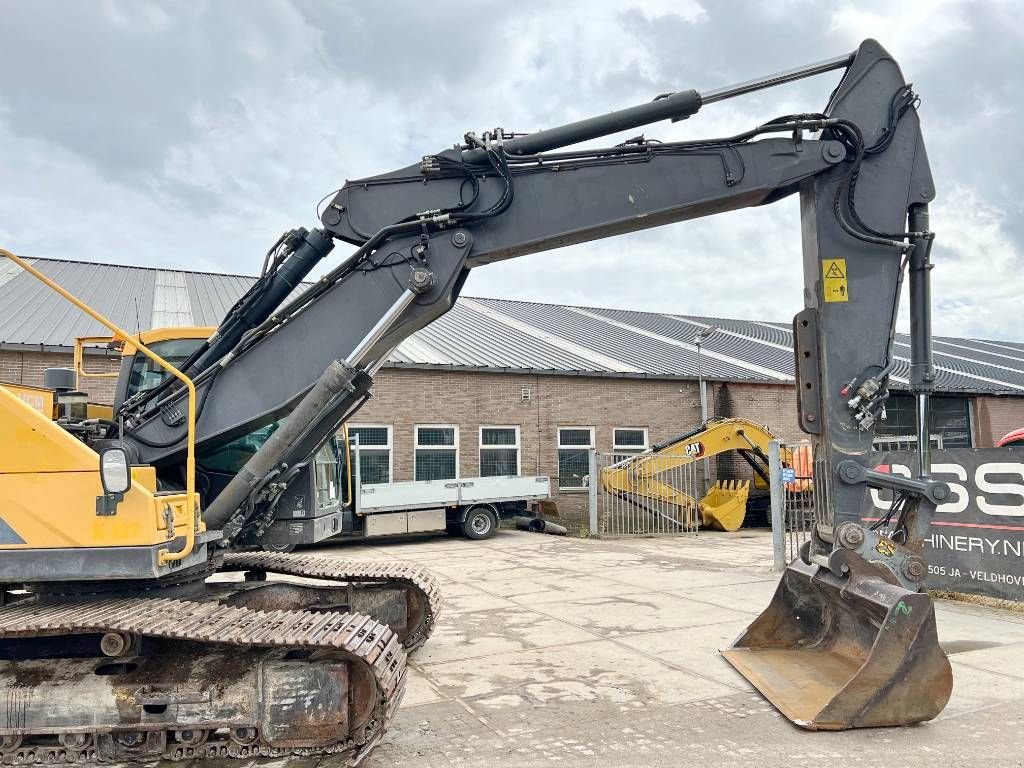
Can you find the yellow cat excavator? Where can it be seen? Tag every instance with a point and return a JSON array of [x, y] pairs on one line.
[[640, 479], [117, 642]]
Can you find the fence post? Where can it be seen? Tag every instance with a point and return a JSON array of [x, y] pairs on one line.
[[357, 477], [778, 498], [592, 483]]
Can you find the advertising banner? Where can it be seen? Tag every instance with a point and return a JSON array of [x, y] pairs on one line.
[[976, 543]]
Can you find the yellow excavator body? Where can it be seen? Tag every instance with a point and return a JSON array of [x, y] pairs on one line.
[[724, 507], [99, 562], [42, 466]]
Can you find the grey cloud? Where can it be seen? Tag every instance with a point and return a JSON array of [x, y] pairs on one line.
[[192, 134]]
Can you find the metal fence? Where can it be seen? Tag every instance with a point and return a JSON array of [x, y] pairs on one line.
[[661, 504], [902, 442], [793, 494]]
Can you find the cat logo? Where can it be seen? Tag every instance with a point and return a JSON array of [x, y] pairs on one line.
[[885, 547], [694, 450]]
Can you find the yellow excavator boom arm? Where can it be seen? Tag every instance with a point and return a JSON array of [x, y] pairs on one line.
[[724, 506]]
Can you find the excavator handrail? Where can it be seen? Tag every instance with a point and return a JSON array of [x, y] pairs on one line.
[[165, 556], [79, 359]]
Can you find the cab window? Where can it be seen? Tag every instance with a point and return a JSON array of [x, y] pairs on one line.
[[325, 464], [232, 456], [146, 374]]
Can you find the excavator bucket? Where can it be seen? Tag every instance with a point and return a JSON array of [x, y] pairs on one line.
[[834, 653], [725, 505]]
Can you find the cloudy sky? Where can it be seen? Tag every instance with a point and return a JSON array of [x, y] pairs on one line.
[[190, 134]]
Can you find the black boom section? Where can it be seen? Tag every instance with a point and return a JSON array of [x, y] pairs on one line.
[[263, 383], [562, 200], [551, 208]]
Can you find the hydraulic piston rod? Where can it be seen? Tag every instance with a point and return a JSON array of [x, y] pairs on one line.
[[922, 371], [779, 78], [670, 106]]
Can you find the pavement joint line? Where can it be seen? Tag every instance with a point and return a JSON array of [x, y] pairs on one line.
[[717, 605], [645, 654], [414, 664], [953, 605], [976, 668], [942, 716], [476, 715], [648, 705], [674, 592], [423, 666]]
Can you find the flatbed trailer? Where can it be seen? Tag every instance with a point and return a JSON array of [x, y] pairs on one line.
[[472, 506], [327, 501]]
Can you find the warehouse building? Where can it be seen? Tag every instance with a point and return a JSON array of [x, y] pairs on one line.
[[499, 387]]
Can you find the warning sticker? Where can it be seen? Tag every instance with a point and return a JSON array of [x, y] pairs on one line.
[[834, 286]]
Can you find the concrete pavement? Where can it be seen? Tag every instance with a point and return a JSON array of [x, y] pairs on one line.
[[584, 653]]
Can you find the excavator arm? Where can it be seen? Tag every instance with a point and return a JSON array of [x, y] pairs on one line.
[[861, 170], [638, 478]]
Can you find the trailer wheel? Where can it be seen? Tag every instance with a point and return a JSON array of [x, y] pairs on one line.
[[278, 547], [480, 523]]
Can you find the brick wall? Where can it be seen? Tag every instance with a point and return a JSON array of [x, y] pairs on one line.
[[27, 368], [405, 397], [994, 417]]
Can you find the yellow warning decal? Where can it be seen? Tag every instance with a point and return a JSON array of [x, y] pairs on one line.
[[834, 286]]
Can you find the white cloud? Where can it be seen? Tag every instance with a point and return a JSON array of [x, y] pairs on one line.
[[977, 277], [193, 135]]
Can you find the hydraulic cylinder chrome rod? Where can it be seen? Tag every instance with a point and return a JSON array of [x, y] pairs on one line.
[[670, 106], [922, 370], [770, 81], [382, 326]]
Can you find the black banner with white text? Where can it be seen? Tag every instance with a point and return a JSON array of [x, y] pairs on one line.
[[976, 542]]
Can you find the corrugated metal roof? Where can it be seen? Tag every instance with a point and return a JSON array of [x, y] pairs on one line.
[[479, 333]]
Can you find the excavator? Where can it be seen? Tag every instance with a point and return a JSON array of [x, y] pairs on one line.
[[724, 507], [120, 638]]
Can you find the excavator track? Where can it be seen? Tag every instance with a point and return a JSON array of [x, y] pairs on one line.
[[369, 578], [215, 681]]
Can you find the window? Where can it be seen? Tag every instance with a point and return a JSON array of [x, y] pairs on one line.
[[950, 418], [374, 452], [574, 444], [499, 451], [232, 456], [146, 374], [437, 452], [627, 441], [325, 463]]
